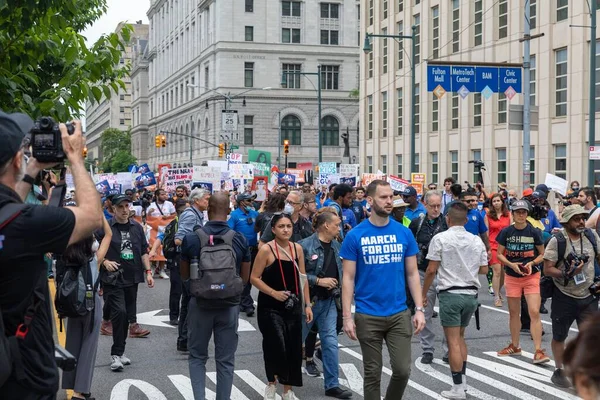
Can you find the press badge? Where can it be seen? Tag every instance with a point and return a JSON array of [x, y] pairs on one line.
[[579, 278]]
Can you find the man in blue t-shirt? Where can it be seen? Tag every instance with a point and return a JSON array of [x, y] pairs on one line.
[[415, 208], [379, 264], [475, 221]]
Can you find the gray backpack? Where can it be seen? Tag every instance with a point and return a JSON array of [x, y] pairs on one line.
[[218, 283]]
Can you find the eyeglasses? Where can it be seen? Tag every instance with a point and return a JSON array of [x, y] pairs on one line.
[[293, 203], [278, 213]]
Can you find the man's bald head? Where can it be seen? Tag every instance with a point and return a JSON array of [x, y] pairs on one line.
[[218, 207]]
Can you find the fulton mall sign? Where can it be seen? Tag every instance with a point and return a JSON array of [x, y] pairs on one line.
[[465, 79]]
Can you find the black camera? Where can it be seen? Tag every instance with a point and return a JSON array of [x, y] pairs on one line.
[[64, 360], [291, 302], [573, 260], [46, 140], [539, 212]]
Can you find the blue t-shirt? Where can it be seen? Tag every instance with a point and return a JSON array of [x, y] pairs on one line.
[[349, 217], [328, 203], [551, 222], [379, 252], [244, 224], [414, 214], [475, 223]]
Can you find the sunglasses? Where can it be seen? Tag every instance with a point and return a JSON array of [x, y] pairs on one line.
[[278, 213]]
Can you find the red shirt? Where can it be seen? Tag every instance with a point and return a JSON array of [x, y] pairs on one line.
[[495, 227]]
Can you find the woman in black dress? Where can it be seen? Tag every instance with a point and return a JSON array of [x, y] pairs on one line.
[[280, 307]]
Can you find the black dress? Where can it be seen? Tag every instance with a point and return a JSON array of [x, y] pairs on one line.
[[281, 328]]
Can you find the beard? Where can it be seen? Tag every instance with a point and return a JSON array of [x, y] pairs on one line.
[[380, 211]]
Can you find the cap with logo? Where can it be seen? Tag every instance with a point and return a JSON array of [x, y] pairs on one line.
[[571, 211], [538, 194], [13, 128], [118, 199], [542, 187], [409, 191], [520, 205], [399, 202]]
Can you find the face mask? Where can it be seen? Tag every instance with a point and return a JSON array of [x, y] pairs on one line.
[[575, 188], [288, 209], [95, 246], [249, 208]]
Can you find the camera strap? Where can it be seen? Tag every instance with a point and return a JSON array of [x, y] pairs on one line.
[[60, 190], [580, 244], [281, 267]]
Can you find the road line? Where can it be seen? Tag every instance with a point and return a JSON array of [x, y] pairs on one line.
[[355, 380], [429, 370], [527, 354], [121, 390], [235, 392], [516, 360], [506, 312], [255, 383], [184, 385]]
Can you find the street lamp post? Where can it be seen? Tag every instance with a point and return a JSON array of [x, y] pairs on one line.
[[413, 123], [318, 74]]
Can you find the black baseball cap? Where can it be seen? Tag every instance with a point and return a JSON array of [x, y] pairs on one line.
[[13, 128], [409, 191], [118, 199]]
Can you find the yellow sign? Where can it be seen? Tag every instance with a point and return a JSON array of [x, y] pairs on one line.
[[417, 178]]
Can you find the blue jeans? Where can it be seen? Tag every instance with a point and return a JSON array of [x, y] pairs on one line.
[[325, 315]]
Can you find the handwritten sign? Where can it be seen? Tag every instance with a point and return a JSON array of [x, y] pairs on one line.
[[327, 168], [176, 177], [349, 170], [397, 184], [206, 174], [241, 171]]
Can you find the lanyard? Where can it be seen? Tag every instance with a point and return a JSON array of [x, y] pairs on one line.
[[281, 268], [580, 244]]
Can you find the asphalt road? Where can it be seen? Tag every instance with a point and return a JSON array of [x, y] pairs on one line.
[[159, 372]]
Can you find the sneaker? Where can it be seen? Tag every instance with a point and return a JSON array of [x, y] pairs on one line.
[[338, 393], [559, 379], [116, 365], [163, 275], [543, 310], [270, 392], [456, 392], [540, 357], [289, 396], [311, 369], [525, 331], [125, 360], [106, 328], [136, 331], [250, 312], [510, 350], [490, 290], [182, 346], [427, 358], [174, 322], [445, 358]]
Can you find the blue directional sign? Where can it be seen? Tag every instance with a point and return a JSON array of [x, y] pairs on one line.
[[463, 76], [510, 77], [486, 76], [438, 76]]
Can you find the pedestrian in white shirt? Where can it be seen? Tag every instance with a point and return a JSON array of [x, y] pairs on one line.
[[457, 257], [161, 206]]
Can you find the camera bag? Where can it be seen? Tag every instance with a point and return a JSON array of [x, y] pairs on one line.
[[73, 282]]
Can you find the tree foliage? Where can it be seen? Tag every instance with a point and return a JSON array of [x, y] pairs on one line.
[[116, 150], [46, 68]]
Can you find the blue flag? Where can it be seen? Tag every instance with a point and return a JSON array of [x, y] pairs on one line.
[[145, 180]]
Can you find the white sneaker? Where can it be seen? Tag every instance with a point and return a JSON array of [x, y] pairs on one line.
[[270, 392], [116, 364], [163, 274], [456, 392], [126, 361], [289, 396]]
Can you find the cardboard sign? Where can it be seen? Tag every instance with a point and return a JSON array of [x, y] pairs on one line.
[[176, 177], [327, 168], [259, 187], [368, 178], [397, 184], [349, 170]]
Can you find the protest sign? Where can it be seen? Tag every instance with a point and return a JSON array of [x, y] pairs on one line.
[[234, 158], [286, 179], [349, 170], [241, 171], [368, 178], [305, 166], [176, 177], [348, 180], [417, 178], [558, 184], [328, 179], [118, 188], [206, 174], [145, 180], [298, 173], [204, 185], [260, 187], [124, 179], [221, 165], [398, 184], [142, 169], [103, 187], [261, 169], [259, 156], [327, 168]]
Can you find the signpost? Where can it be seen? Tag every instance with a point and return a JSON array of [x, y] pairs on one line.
[[594, 153], [463, 79], [229, 120]]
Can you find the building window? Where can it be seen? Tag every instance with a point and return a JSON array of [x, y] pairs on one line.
[[371, 12], [560, 160], [435, 45], [329, 37], [455, 111], [329, 10], [400, 5], [370, 64], [399, 165], [417, 23], [330, 77], [502, 19], [562, 10], [249, 74], [434, 166], [384, 114], [249, 34], [400, 111], [121, 122], [532, 166], [248, 119], [291, 129], [417, 163], [502, 108], [369, 164], [370, 117], [384, 7], [122, 109], [532, 14], [533, 70], [248, 136], [122, 97], [249, 5], [561, 82], [291, 81], [290, 8], [476, 109], [476, 155], [454, 165], [384, 53], [330, 131], [455, 26], [290, 35], [400, 45], [478, 28], [207, 78], [501, 153], [417, 107], [435, 113]]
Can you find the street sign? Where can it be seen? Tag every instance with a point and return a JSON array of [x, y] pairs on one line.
[[463, 76], [509, 77], [510, 93], [515, 117], [438, 76], [482, 79], [594, 152], [229, 120], [463, 91], [486, 77], [439, 91], [234, 147]]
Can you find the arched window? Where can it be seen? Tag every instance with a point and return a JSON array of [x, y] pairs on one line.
[[291, 129], [330, 131]]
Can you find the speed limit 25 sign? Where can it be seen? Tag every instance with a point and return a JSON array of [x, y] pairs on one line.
[[229, 120]]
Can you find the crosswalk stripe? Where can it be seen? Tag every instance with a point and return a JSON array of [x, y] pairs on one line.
[[530, 355], [184, 385], [521, 395], [245, 326], [354, 378], [506, 312], [255, 383], [121, 390], [427, 369], [236, 394], [526, 365]]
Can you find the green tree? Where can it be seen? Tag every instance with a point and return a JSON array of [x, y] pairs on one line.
[[116, 150], [46, 68]]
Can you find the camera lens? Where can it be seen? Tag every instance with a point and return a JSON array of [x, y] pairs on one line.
[[45, 122]]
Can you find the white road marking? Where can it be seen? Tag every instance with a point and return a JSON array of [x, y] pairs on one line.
[[255, 383], [506, 312], [354, 378], [121, 390], [516, 360], [236, 394], [184, 385], [245, 326]]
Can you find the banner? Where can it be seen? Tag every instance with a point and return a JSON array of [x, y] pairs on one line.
[[103, 187], [142, 169], [348, 180], [175, 177], [298, 173], [145, 180], [259, 187], [368, 178], [327, 168], [398, 184], [286, 179], [349, 170], [153, 226], [259, 156], [203, 185]]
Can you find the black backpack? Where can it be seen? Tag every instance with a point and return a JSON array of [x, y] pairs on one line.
[[75, 290], [168, 243]]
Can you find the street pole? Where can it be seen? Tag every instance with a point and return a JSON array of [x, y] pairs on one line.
[[279, 145], [286, 163], [191, 151], [319, 106], [526, 97], [413, 123], [592, 85]]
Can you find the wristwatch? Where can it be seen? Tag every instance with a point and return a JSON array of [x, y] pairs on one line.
[[420, 309]]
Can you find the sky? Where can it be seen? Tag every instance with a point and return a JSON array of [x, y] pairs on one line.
[[118, 10]]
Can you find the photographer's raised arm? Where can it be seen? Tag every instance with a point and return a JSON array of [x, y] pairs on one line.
[[88, 213]]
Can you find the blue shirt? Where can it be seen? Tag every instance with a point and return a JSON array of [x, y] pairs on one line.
[[328, 203], [475, 223], [414, 214], [551, 222], [189, 219], [379, 253], [244, 224], [348, 217]]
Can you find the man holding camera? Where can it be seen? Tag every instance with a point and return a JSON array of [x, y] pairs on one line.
[[569, 260], [29, 232]]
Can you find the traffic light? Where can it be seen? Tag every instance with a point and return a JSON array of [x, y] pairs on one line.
[[85, 152], [286, 146], [157, 141], [163, 141], [221, 149]]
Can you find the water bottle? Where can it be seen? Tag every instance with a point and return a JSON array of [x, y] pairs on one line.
[[89, 297], [194, 268]]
